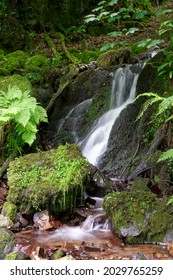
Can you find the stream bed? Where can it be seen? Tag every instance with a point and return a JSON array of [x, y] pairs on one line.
[[90, 240]]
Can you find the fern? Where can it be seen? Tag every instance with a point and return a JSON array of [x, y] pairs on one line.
[[166, 155], [22, 112], [165, 104]]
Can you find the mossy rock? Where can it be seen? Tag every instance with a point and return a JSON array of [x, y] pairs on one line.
[[6, 242], [21, 82], [52, 180], [16, 256], [138, 216], [113, 57], [9, 210], [37, 63], [15, 60], [85, 56]]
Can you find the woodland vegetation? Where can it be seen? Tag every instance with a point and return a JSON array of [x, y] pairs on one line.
[[40, 38]]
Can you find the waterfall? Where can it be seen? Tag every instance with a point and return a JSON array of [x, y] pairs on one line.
[[123, 93], [72, 119]]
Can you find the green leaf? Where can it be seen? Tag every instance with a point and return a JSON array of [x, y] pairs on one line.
[[132, 30], [107, 47], [170, 200], [166, 155], [113, 2], [115, 33], [14, 92], [23, 117]]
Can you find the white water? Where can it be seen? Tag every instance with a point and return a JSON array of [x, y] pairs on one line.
[[73, 117], [123, 93]]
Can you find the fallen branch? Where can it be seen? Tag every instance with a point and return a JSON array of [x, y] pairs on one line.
[[64, 82], [143, 165]]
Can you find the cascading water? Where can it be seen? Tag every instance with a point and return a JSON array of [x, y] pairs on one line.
[[123, 92]]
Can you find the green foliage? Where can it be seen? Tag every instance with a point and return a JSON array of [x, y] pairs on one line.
[[20, 112], [37, 63], [163, 113], [165, 105], [115, 11], [149, 43], [166, 155]]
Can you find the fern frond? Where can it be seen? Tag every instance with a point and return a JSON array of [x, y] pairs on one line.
[[165, 105], [23, 110], [147, 94], [148, 104], [13, 92], [169, 119], [166, 155]]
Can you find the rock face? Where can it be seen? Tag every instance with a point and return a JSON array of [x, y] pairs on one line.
[[139, 216], [93, 85], [52, 180]]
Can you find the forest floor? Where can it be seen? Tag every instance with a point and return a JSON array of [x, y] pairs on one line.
[[148, 29]]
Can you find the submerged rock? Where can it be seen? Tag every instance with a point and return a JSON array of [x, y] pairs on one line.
[[52, 180], [139, 216]]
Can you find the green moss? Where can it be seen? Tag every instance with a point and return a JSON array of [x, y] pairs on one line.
[[10, 211], [85, 56], [16, 256], [37, 63], [52, 180], [15, 60], [21, 82], [11, 256], [58, 254], [113, 57], [141, 212]]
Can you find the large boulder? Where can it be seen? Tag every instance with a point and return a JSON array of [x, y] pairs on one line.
[[139, 216], [52, 180]]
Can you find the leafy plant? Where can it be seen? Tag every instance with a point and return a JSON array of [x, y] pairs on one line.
[[113, 11], [164, 106], [20, 114]]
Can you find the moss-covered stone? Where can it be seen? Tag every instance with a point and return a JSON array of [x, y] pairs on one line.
[[58, 254], [37, 63], [6, 242], [85, 56], [13, 61], [9, 210], [21, 82], [5, 222], [138, 216], [16, 256], [113, 57], [52, 180]]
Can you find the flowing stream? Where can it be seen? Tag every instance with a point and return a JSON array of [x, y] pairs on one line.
[[92, 239]]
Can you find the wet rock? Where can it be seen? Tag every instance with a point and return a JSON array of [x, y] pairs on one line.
[[139, 216], [17, 256], [5, 222], [138, 256], [9, 210], [6, 242], [44, 220], [112, 58], [58, 254]]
